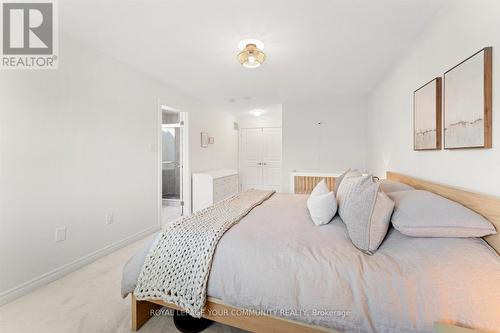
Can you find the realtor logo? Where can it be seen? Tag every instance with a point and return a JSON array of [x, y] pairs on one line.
[[29, 37]]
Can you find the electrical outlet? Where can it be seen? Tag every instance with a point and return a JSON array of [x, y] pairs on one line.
[[60, 235], [109, 218]]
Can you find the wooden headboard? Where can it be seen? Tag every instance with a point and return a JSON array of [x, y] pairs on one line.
[[486, 205]]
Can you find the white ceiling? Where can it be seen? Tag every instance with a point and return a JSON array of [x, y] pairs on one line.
[[315, 48]]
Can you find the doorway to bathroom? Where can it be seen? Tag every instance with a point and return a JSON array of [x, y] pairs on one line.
[[173, 143]]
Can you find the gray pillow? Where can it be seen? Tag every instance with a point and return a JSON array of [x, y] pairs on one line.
[[391, 186], [425, 214], [348, 173], [366, 211]]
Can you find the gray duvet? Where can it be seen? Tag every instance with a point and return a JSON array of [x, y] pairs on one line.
[[277, 261]]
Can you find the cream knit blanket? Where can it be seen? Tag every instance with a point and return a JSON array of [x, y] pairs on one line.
[[177, 266]]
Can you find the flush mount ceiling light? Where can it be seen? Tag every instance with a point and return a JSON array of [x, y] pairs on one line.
[[257, 112], [251, 55]]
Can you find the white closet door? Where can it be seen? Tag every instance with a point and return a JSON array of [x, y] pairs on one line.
[[251, 158], [271, 158], [260, 158]]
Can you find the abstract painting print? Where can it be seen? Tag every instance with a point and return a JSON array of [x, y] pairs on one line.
[[467, 102], [427, 116]]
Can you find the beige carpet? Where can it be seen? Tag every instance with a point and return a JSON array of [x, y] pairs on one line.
[[87, 300]]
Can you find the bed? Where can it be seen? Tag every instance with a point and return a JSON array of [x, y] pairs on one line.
[[276, 271]]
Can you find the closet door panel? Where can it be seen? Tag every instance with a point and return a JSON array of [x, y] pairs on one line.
[[271, 145], [251, 158], [272, 156]]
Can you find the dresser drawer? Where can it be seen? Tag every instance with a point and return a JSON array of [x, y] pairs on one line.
[[225, 180], [213, 186], [225, 190], [232, 179], [219, 196]]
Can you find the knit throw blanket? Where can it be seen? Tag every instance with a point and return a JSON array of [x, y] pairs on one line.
[[177, 266]]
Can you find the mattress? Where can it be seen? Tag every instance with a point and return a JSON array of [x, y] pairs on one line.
[[277, 261]]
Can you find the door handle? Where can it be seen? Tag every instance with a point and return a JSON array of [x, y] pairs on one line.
[[259, 163]]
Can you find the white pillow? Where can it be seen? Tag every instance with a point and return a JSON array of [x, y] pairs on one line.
[[322, 207], [320, 188], [322, 204]]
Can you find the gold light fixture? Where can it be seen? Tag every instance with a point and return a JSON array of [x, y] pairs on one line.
[[251, 55]]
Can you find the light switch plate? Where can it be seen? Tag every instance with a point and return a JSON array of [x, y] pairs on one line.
[[60, 235], [109, 218]]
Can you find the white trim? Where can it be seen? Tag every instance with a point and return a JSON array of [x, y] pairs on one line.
[[46, 278], [159, 195], [164, 107], [186, 171], [315, 174]]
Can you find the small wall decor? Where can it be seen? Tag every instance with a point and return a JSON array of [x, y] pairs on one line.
[[427, 116], [468, 101], [211, 140], [204, 140]]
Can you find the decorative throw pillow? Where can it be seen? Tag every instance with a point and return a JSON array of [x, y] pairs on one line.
[[338, 180], [339, 189], [322, 204], [366, 211], [424, 214], [320, 188], [322, 207]]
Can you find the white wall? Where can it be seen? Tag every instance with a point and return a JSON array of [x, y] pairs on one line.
[[339, 143], [75, 145], [457, 33], [223, 154], [259, 122]]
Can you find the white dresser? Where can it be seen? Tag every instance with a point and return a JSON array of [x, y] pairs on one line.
[[213, 186]]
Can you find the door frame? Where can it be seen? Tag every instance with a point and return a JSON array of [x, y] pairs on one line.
[[185, 170]]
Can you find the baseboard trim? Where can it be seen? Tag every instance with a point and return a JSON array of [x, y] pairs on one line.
[[44, 279]]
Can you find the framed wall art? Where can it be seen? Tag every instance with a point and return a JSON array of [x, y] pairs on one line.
[[468, 102], [427, 116]]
